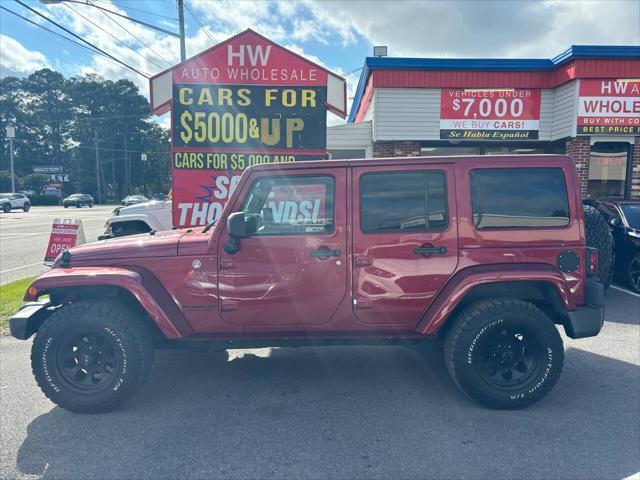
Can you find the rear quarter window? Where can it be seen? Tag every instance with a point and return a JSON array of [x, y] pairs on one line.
[[519, 198]]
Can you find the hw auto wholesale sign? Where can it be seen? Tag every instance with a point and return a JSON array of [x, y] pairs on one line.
[[489, 114], [609, 107], [244, 102]]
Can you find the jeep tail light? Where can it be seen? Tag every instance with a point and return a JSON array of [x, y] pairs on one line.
[[592, 261]]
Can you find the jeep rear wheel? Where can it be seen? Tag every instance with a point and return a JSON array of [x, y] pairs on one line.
[[90, 356], [504, 353], [599, 236]]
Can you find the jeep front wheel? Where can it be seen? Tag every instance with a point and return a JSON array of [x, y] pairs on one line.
[[90, 356], [504, 353]]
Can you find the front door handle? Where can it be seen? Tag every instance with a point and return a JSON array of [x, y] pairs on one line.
[[324, 252], [430, 250]]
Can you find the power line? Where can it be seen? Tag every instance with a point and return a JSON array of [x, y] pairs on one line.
[[81, 39], [186, 5], [166, 152], [92, 51], [138, 39], [111, 34], [87, 119]]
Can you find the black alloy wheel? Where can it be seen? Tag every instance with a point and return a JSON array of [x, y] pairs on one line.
[[633, 273], [26, 207], [508, 357], [6, 208], [88, 361]]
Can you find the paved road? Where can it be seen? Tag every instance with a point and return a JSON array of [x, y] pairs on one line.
[[350, 412], [24, 236]]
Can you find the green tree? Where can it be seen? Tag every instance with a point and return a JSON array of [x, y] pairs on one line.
[[58, 121]]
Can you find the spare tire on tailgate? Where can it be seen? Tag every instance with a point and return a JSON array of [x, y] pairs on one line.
[[599, 236]]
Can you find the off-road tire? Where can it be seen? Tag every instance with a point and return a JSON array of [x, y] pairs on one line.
[[599, 236], [489, 319], [131, 346], [6, 208]]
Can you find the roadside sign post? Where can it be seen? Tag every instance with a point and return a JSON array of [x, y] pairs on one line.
[[65, 233]]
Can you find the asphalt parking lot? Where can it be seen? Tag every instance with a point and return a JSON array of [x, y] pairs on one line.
[[350, 412], [24, 236]]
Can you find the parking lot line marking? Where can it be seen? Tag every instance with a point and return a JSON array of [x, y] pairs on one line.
[[18, 268], [624, 290]]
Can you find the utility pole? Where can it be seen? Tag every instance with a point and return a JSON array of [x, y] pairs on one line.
[[183, 49], [95, 136], [11, 133]]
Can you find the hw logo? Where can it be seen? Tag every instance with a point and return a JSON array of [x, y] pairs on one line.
[[254, 53]]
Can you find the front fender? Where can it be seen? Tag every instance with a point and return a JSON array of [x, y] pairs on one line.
[[449, 297], [148, 291]]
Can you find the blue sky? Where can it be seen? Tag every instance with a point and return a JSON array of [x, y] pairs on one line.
[[337, 34]]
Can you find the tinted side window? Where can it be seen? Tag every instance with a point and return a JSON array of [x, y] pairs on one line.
[[519, 197], [295, 205], [399, 201]]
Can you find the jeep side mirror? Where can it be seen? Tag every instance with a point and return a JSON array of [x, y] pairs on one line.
[[237, 227]]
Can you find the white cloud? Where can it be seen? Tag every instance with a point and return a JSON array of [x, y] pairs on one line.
[[15, 59], [482, 28]]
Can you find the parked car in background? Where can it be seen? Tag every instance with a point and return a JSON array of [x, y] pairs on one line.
[[159, 196], [623, 217], [78, 200], [133, 199], [16, 200], [139, 218], [5, 205]]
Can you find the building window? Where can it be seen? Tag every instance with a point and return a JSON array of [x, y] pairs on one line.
[[444, 150], [608, 169], [347, 153]]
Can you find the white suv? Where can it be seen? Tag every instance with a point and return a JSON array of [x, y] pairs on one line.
[[139, 218], [11, 201]]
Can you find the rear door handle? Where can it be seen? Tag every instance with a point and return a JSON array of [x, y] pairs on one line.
[[430, 250], [325, 253]]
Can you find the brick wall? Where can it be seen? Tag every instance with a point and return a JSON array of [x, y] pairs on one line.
[[579, 148], [407, 148], [635, 170]]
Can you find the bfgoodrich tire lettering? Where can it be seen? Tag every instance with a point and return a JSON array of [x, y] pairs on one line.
[[504, 353], [90, 356]]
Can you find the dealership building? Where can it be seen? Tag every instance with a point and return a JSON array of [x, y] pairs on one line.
[[584, 103]]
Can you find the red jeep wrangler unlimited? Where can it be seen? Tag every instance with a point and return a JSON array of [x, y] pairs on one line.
[[487, 253]]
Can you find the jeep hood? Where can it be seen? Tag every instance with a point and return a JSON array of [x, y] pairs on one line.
[[145, 245]]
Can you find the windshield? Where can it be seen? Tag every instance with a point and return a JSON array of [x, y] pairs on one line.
[[632, 214]]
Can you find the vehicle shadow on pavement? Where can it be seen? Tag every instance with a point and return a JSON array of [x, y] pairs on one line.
[[622, 307], [354, 412]]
